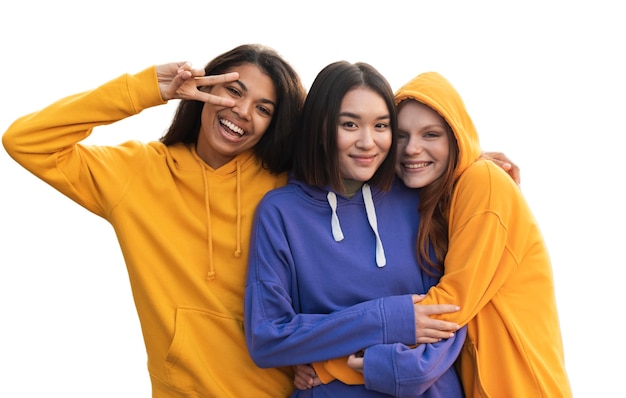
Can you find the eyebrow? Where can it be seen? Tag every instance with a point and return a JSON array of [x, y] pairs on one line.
[[245, 88], [355, 116], [434, 126]]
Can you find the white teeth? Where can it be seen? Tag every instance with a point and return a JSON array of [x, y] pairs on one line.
[[231, 126], [415, 165]]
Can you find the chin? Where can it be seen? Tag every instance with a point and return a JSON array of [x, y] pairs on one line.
[[412, 183]]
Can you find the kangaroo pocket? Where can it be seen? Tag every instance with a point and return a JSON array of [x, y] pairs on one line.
[[209, 356]]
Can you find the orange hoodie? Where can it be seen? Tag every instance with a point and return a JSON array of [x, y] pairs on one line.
[[183, 227], [497, 269]]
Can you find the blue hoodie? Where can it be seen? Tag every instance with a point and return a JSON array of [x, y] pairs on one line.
[[330, 275]]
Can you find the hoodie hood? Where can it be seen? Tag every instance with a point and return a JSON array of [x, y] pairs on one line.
[[434, 90], [334, 201]]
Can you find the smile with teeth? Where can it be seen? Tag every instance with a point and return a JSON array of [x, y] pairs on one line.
[[416, 165], [232, 127]]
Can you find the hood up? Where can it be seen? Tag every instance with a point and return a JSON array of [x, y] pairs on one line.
[[434, 90]]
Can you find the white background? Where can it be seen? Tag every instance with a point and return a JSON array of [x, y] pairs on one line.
[[543, 80]]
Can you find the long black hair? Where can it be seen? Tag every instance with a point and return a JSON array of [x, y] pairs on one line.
[[316, 158]]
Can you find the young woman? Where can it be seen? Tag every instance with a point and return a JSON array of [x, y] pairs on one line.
[[497, 266], [332, 266], [181, 208]]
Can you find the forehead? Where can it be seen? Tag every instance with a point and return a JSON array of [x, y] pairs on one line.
[[362, 99], [411, 110]]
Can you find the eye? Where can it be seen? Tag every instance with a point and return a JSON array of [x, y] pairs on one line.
[[432, 134], [348, 124], [265, 110], [382, 126], [402, 136], [233, 91]]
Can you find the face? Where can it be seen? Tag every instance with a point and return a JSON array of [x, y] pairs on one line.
[[363, 134], [423, 149], [227, 132]]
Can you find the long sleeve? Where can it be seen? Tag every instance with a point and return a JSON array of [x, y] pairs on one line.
[[482, 253], [498, 270], [402, 371], [47, 142], [277, 336]]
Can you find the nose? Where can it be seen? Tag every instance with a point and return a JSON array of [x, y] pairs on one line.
[[413, 146], [366, 138], [243, 108]]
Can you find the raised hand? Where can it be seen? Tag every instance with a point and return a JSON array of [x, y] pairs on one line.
[[178, 80]]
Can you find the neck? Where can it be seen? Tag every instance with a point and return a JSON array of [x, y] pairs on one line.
[[351, 187]]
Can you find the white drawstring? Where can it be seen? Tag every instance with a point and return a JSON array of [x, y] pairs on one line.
[[381, 261], [337, 233]]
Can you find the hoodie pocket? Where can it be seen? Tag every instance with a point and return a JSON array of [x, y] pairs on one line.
[[208, 355]]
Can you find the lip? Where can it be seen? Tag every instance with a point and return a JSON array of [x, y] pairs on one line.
[[364, 159]]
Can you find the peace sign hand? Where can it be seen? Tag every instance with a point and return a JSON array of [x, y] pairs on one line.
[[178, 80]]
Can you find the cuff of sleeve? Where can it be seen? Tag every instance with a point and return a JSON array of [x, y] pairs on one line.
[[143, 89], [378, 375], [399, 320]]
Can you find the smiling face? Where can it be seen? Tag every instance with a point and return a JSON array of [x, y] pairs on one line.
[[423, 144], [363, 134], [227, 132]]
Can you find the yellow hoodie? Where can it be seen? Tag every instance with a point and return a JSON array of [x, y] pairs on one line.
[[497, 269], [183, 228]]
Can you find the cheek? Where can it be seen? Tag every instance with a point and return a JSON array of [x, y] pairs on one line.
[[386, 145], [443, 151], [343, 144], [399, 149], [205, 115], [261, 126], [383, 141]]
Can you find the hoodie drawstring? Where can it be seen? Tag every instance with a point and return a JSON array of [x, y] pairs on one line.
[[381, 260], [336, 228], [211, 273], [238, 247]]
